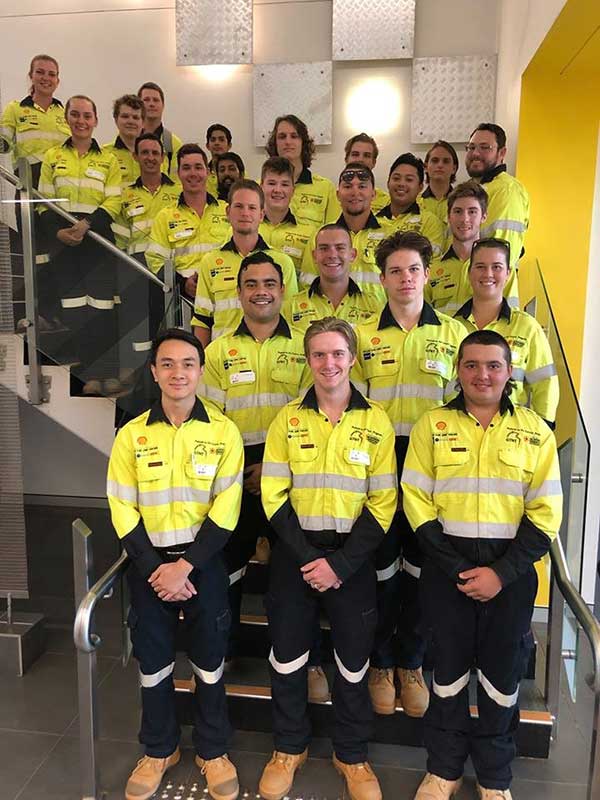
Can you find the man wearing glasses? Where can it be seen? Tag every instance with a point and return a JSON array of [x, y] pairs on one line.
[[508, 200]]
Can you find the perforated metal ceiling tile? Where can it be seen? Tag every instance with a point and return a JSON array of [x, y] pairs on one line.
[[208, 32], [301, 89], [372, 29], [451, 96]]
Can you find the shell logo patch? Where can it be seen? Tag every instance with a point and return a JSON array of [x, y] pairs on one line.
[[142, 440], [294, 421], [232, 352], [218, 262], [440, 426], [375, 340]]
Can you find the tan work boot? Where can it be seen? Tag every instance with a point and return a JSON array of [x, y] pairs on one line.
[[263, 551], [493, 794], [146, 777], [382, 690], [414, 694], [360, 779], [221, 777], [318, 688], [278, 776], [435, 788]]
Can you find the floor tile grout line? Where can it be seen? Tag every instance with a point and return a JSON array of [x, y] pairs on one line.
[[39, 766]]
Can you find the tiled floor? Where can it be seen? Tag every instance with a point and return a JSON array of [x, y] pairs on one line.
[[39, 743]]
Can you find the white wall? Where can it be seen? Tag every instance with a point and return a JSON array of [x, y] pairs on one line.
[[108, 47]]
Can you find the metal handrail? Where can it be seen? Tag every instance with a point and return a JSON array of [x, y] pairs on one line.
[[588, 622], [112, 248], [85, 641]]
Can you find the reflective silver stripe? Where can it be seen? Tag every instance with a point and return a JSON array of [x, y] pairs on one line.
[[451, 689], [254, 437], [276, 399], [362, 387], [121, 230], [540, 374], [212, 393], [518, 374], [287, 667], [411, 569], [203, 304], [195, 248], [513, 302], [388, 572], [121, 492], [207, 675], [508, 225], [365, 277], [480, 486], [150, 681], [307, 278], [480, 530], [227, 303], [6, 132], [418, 480], [55, 136], [222, 484], [378, 483], [237, 576], [142, 224], [74, 302], [81, 183], [82, 208], [102, 305], [403, 428], [407, 391], [141, 347], [546, 489], [155, 247], [138, 247], [504, 700], [169, 538], [46, 189], [112, 191], [448, 309], [351, 677], [174, 494], [185, 273], [326, 523], [272, 469], [327, 480]]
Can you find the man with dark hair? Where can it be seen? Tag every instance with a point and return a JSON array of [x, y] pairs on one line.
[[406, 361], [128, 114], [280, 228], [508, 200], [480, 539], [194, 226], [218, 142], [362, 149], [217, 307], [267, 370], [153, 98], [405, 183], [314, 199], [356, 189], [229, 168], [179, 448]]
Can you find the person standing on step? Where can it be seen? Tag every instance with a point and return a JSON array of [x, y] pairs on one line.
[[481, 488], [329, 490], [174, 489]]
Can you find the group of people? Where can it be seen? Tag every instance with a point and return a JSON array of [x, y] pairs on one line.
[[360, 396]]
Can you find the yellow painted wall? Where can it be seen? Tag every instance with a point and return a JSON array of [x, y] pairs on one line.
[[558, 137]]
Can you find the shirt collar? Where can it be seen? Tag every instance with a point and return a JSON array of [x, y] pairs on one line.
[[260, 245], [450, 254], [159, 131], [370, 224], [28, 101], [282, 329], [210, 200], [492, 173], [428, 193], [157, 413], [386, 211], [458, 403], [315, 288], [94, 146], [428, 317], [357, 401], [120, 144], [164, 181], [289, 217], [305, 176], [466, 310]]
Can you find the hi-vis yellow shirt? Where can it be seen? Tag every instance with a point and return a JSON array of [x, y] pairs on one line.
[[356, 307], [314, 201], [381, 200], [217, 304], [331, 475], [493, 495], [439, 208], [533, 371], [363, 270], [289, 236], [86, 182], [130, 169], [449, 287], [508, 210], [139, 208], [408, 372], [418, 220], [250, 381], [171, 480], [178, 233], [29, 132]]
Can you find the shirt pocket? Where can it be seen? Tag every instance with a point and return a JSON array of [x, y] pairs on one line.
[[450, 461], [154, 493], [517, 463]]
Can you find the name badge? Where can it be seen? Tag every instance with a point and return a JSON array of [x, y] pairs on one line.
[[94, 173], [246, 376], [135, 211], [435, 366], [359, 457], [376, 235], [183, 234], [292, 251], [205, 470]]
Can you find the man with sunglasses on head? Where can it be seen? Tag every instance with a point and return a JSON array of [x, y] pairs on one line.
[[508, 200], [355, 193]]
